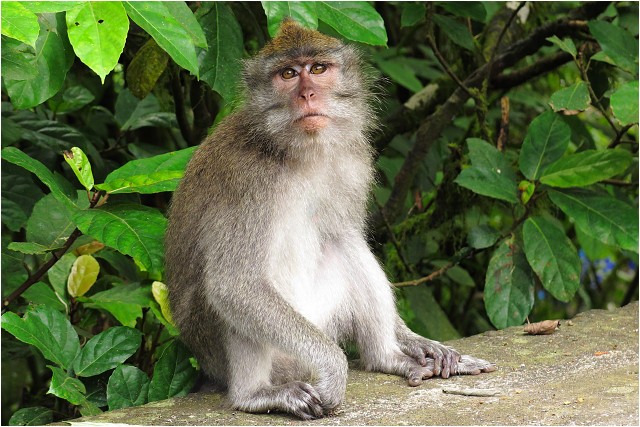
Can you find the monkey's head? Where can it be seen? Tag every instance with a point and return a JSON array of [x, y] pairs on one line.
[[306, 86]]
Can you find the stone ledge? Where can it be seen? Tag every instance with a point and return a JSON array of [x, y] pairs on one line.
[[585, 373]]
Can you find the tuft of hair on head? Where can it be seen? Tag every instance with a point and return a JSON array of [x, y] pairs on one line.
[[293, 37]]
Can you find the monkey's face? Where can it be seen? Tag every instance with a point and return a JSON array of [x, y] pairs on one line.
[[305, 86]]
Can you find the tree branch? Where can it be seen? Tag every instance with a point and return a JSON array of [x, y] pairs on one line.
[[432, 126]]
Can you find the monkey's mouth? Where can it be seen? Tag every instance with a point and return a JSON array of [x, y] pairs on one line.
[[313, 122], [307, 115]]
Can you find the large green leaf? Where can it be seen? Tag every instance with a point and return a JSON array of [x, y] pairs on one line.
[[50, 6], [546, 141], [571, 98], [150, 175], [32, 416], [401, 72], [600, 216], [19, 195], [66, 387], [52, 67], [482, 236], [17, 157], [49, 224], [184, 15], [466, 9], [107, 350], [490, 174], [585, 168], [20, 23], [42, 293], [357, 21], [128, 386], [18, 63], [173, 374], [619, 44], [156, 19], [553, 257], [46, 329], [456, 31], [303, 12], [220, 66], [131, 229], [124, 302], [80, 166], [97, 32], [509, 285], [624, 103]]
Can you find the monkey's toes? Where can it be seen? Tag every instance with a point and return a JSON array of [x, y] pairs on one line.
[[469, 365], [420, 373]]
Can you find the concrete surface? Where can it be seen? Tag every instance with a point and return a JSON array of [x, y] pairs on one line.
[[586, 373]]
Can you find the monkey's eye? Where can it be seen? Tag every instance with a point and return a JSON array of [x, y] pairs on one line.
[[318, 68], [288, 73]]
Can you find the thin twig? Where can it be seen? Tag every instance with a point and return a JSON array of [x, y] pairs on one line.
[[55, 257]]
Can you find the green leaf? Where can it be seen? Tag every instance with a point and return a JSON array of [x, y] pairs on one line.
[[97, 32], [482, 236], [31, 248], [15, 156], [526, 189], [401, 72], [18, 62], [219, 64], [50, 6], [600, 216], [619, 44], [566, 45], [131, 229], [456, 31], [303, 12], [133, 113], [465, 9], [151, 175], [546, 141], [571, 98], [357, 21], [161, 295], [624, 103], [66, 387], [107, 350], [146, 184], [173, 374], [52, 67], [59, 273], [156, 19], [412, 13], [88, 409], [32, 416], [80, 166], [510, 282], [553, 257], [73, 99], [128, 386], [19, 195], [146, 67], [184, 15], [490, 174], [42, 293], [586, 168], [46, 329], [49, 224], [20, 23], [124, 302]]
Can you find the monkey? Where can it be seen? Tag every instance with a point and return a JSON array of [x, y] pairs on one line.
[[267, 264]]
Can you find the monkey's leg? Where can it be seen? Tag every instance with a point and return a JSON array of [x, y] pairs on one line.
[[251, 390]]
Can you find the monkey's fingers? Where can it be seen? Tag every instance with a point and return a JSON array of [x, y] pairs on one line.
[[469, 365], [303, 401], [445, 357]]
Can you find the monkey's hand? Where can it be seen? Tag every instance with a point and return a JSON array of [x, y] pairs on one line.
[[443, 359], [440, 359], [332, 381]]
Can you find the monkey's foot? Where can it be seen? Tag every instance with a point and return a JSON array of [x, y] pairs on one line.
[[297, 398], [469, 365]]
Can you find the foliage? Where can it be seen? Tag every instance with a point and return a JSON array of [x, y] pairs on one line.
[[507, 171]]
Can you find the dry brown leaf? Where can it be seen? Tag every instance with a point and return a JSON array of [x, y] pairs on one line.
[[545, 327], [600, 353]]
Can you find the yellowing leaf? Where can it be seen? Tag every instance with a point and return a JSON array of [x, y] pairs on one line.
[[83, 275], [161, 295]]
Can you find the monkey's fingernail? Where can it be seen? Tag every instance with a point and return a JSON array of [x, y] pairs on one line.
[[415, 381]]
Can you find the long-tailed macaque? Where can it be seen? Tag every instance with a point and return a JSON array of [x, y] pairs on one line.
[[266, 258]]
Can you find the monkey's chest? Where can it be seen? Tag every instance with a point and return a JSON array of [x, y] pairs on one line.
[[307, 267]]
